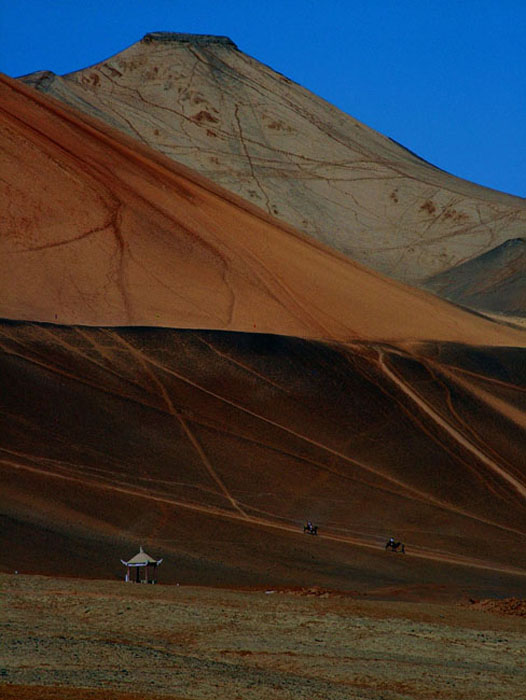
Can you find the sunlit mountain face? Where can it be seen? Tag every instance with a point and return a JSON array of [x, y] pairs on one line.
[[206, 104]]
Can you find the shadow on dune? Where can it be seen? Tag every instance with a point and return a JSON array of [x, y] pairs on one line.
[[212, 448]]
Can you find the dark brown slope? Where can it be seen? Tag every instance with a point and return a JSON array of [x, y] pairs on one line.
[[495, 281], [210, 449], [204, 103], [100, 230]]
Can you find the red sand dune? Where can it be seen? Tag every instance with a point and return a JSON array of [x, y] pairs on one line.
[[104, 231]]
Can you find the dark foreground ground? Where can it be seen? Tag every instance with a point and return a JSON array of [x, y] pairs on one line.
[[65, 639]]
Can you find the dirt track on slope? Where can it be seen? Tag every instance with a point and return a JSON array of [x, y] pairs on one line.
[[94, 639], [210, 450]]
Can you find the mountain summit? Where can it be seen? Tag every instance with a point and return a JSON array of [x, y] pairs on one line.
[[182, 38], [204, 103]]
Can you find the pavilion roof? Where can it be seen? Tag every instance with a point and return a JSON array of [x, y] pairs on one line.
[[142, 558]]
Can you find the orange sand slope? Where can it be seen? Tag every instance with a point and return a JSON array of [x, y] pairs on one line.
[[104, 231], [208, 105]]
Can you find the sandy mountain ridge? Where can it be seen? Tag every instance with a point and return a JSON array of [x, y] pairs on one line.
[[391, 411], [105, 231], [206, 104]]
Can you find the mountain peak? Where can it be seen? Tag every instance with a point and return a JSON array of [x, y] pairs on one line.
[[179, 37], [204, 103]]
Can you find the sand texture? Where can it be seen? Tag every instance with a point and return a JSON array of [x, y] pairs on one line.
[[197, 356], [213, 448], [104, 231]]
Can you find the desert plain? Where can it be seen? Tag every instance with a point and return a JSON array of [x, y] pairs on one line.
[[74, 639]]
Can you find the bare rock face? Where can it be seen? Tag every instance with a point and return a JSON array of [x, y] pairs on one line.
[[204, 103]]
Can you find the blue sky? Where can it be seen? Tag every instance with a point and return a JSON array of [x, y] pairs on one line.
[[447, 79]]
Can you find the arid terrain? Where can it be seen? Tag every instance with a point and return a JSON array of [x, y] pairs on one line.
[[71, 639], [107, 232], [213, 327], [492, 282], [204, 103], [213, 448]]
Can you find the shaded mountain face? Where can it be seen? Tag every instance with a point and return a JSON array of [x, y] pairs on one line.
[[100, 230], [495, 281], [211, 449], [204, 103]]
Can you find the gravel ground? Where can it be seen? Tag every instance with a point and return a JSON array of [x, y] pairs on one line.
[[117, 639]]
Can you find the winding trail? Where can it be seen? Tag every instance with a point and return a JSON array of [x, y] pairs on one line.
[[508, 410], [404, 490], [184, 424], [371, 543], [461, 439]]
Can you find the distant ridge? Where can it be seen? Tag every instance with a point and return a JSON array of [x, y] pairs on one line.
[[494, 281]]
